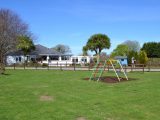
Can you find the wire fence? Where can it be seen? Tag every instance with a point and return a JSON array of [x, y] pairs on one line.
[[88, 67]]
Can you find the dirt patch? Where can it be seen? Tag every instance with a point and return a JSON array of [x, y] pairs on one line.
[[111, 79], [81, 118], [109, 119], [46, 98]]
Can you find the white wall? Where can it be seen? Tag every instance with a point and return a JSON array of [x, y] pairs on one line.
[[12, 59]]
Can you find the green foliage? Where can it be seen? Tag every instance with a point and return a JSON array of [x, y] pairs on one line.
[[152, 49], [85, 49], [132, 54], [133, 45], [142, 57], [44, 65], [26, 44], [121, 50], [97, 43]]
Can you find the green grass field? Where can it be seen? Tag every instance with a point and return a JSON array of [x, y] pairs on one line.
[[71, 98]]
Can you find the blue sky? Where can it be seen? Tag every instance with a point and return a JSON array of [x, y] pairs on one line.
[[72, 22]]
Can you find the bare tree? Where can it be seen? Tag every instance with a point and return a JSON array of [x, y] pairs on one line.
[[11, 26], [62, 48], [133, 45]]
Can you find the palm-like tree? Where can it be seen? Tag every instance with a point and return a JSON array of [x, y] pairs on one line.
[[25, 44]]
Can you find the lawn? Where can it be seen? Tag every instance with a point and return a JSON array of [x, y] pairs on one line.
[[64, 95]]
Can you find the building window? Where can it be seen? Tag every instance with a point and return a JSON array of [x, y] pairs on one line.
[[16, 59], [84, 60], [122, 59], [65, 57], [75, 60], [44, 57], [54, 57], [20, 59]]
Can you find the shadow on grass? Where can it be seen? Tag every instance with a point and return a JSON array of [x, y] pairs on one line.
[[5, 74], [112, 79]]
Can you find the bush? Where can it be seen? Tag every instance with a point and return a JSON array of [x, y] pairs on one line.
[[44, 65], [143, 57]]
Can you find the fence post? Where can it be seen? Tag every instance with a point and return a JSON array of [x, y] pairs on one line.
[[14, 66], [57, 64], [149, 67], [89, 66], [131, 67], [66, 63], [24, 65], [143, 68], [125, 68], [74, 67], [60, 67], [48, 67], [108, 67], [36, 65]]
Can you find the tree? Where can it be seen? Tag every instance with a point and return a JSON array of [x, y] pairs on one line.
[[85, 51], [132, 54], [11, 26], [142, 57], [25, 44], [133, 45], [62, 48], [152, 49], [97, 43], [121, 50]]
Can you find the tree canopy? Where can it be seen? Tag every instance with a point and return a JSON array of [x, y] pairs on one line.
[[152, 49], [121, 50], [62, 48], [133, 45], [26, 44], [85, 50], [97, 43]]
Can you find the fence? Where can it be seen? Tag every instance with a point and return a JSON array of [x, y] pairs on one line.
[[36, 66]]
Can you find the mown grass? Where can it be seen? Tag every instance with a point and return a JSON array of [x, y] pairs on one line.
[[73, 97]]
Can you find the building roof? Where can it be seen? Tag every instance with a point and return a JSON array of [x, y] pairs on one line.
[[39, 50], [42, 50], [120, 57]]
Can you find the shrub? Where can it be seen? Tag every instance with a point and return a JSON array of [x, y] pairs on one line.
[[44, 65], [143, 57]]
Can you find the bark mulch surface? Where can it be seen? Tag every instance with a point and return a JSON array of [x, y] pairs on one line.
[[112, 79]]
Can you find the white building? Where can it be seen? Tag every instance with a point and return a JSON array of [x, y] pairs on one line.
[[44, 55]]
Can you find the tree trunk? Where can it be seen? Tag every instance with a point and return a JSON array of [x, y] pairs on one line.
[[2, 68], [2, 65]]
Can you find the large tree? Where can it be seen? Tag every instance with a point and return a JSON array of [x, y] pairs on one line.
[[133, 45], [11, 26], [25, 43], [120, 50], [62, 48], [152, 49], [97, 43]]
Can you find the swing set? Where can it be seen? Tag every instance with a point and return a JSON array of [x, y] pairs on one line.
[[100, 67]]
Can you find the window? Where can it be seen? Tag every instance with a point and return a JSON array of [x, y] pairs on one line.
[[75, 60], [84, 60], [65, 57], [44, 57], [20, 59], [54, 57], [122, 59], [16, 59]]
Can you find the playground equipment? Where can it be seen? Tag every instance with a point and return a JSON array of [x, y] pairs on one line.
[[100, 67]]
